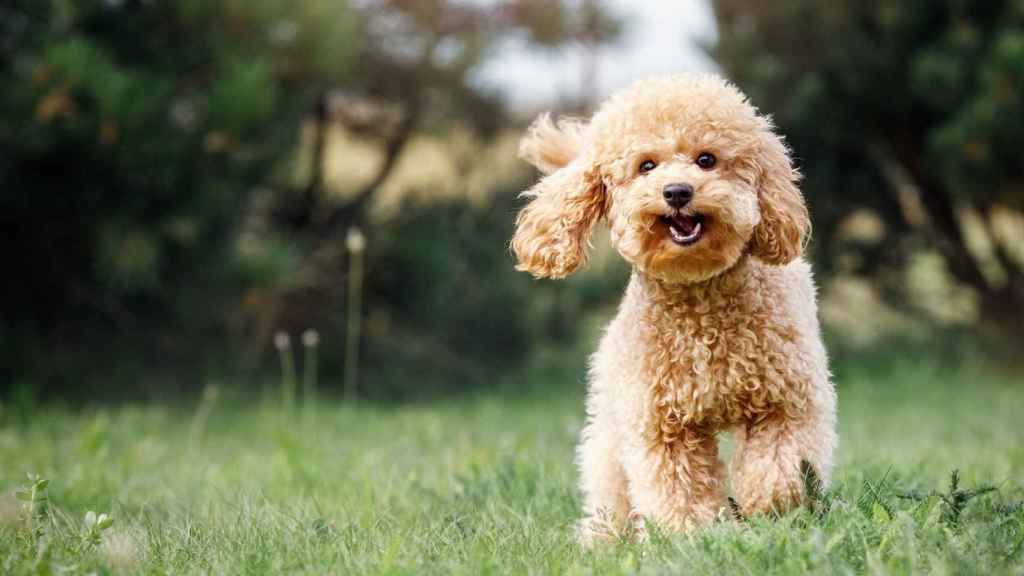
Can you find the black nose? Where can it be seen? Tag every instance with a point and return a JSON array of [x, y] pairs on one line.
[[678, 195]]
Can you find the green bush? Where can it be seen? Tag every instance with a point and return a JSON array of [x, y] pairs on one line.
[[131, 136], [448, 311]]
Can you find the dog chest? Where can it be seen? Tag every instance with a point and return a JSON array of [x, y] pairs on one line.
[[716, 368]]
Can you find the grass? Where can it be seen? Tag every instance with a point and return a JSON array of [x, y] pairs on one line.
[[487, 485]]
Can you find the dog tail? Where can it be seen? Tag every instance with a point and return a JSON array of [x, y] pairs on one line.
[[549, 145]]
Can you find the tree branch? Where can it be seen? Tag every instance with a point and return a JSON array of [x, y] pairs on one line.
[[903, 172], [412, 97], [1003, 305], [1013, 267], [311, 194], [393, 146]]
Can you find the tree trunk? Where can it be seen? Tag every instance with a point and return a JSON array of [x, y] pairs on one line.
[[1000, 307], [311, 195], [349, 213]]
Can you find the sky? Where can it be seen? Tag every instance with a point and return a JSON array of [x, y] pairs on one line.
[[659, 36]]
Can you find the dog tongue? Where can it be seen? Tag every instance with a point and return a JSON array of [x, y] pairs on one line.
[[685, 224]]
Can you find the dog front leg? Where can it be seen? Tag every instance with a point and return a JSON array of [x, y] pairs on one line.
[[603, 483], [677, 483], [771, 457]]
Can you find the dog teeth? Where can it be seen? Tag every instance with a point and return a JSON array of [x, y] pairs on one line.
[[695, 233], [681, 237]]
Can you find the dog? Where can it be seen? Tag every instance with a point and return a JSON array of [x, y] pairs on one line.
[[718, 328]]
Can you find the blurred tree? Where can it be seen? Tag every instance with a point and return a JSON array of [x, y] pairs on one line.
[[595, 28], [414, 77], [131, 135], [912, 110], [447, 312], [414, 73], [145, 180]]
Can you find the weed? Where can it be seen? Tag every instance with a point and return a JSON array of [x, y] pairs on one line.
[[34, 495], [94, 526], [283, 344], [954, 500]]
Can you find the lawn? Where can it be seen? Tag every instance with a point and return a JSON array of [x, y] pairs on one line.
[[486, 485]]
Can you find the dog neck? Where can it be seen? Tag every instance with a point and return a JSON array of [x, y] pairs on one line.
[[725, 285]]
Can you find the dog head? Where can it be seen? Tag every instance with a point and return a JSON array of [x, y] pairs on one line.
[[688, 175]]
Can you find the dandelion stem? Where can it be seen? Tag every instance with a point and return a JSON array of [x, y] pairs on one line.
[[310, 342], [202, 413], [356, 243], [284, 351]]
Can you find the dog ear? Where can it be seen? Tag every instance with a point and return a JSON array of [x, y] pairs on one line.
[[785, 223], [553, 231], [549, 146]]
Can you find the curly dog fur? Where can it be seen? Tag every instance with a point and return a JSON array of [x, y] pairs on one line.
[[714, 335]]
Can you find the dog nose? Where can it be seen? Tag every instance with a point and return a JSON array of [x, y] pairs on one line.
[[678, 195]]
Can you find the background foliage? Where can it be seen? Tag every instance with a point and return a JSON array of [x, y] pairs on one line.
[[163, 176], [133, 135], [908, 114], [177, 180]]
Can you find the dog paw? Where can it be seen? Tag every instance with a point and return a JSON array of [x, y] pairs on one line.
[[594, 531]]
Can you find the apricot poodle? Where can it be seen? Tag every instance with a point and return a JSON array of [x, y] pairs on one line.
[[718, 328]]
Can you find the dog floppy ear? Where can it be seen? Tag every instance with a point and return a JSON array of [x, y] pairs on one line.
[[549, 146], [553, 231], [785, 224]]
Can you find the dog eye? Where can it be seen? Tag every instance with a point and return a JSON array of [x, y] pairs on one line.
[[706, 160], [647, 165]]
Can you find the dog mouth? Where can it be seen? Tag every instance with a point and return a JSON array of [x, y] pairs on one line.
[[684, 229]]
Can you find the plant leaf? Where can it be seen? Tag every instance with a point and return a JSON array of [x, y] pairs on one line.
[[879, 514]]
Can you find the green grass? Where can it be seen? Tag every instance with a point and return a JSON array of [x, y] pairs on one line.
[[487, 485]]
